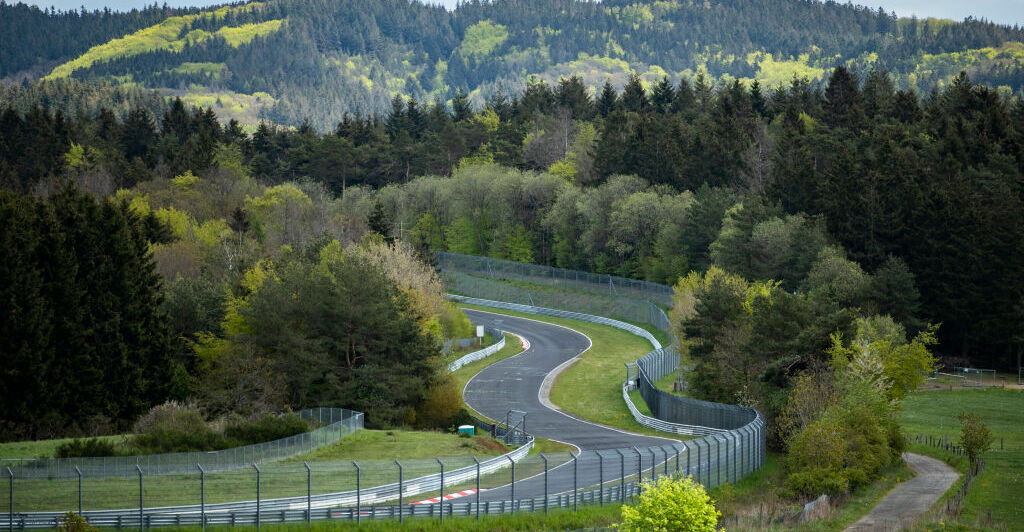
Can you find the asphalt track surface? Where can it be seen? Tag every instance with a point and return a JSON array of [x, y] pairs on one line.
[[518, 383]]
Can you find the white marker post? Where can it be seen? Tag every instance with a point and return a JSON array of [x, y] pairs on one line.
[[480, 333]]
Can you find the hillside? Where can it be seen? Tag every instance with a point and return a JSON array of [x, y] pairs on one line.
[[286, 60]]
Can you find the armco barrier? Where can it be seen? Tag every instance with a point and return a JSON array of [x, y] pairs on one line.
[[482, 353]]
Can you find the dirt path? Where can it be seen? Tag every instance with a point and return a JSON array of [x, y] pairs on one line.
[[909, 500]]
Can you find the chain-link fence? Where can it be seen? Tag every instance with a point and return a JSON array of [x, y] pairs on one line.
[[557, 279], [336, 424], [293, 490]]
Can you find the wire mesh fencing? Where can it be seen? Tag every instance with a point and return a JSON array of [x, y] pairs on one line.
[[336, 424], [557, 279], [294, 490]]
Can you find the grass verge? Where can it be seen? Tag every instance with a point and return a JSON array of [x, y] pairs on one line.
[[600, 371], [42, 448], [381, 444]]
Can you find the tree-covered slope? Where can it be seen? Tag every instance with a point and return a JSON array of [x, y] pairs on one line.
[[320, 59]]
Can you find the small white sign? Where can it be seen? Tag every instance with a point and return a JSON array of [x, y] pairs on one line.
[[479, 331]]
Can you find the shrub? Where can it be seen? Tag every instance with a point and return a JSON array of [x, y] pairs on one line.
[[974, 435], [174, 428], [263, 427], [72, 522], [81, 448], [671, 504]]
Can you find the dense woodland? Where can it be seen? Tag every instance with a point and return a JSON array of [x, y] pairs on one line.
[[932, 182], [329, 58], [823, 243]]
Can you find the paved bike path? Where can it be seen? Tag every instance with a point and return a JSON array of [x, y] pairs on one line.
[[909, 500]]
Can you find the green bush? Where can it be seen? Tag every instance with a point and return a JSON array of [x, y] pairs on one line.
[[671, 504], [263, 427], [847, 447], [184, 430], [81, 448], [72, 522]]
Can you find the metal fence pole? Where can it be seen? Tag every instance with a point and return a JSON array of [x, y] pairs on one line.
[[600, 477], [477, 488], [440, 500], [639, 466], [545, 458], [202, 496], [10, 501], [359, 498], [654, 467], [309, 493], [622, 477], [513, 462], [141, 522], [79, 473], [401, 488], [258, 474], [575, 480]]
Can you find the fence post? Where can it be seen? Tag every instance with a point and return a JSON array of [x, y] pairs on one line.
[[639, 468], [622, 477], [513, 462], [359, 499], [258, 475], [202, 496], [699, 464], [665, 462], [545, 458], [575, 480], [440, 500], [400, 490], [79, 473], [142, 523], [477, 488], [654, 461], [309, 493], [718, 464], [600, 476], [10, 501]]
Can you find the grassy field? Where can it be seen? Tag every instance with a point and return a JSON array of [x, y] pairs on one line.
[[600, 371], [1000, 489], [40, 448], [376, 444]]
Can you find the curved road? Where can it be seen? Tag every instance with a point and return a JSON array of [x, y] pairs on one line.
[[519, 383]]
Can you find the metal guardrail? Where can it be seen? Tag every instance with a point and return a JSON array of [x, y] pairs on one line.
[[340, 423], [247, 511], [482, 353]]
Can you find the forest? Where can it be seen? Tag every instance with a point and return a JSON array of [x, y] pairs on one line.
[[823, 242], [285, 61]]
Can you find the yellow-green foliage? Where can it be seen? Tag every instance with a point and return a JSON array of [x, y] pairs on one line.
[[671, 504], [947, 65], [213, 69], [227, 104], [164, 36], [482, 38], [772, 72], [185, 180], [239, 35], [633, 14]]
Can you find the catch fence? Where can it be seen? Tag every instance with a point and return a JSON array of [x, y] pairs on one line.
[[557, 279], [733, 446], [337, 423]]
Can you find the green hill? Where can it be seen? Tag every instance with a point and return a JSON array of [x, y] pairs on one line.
[[320, 59]]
